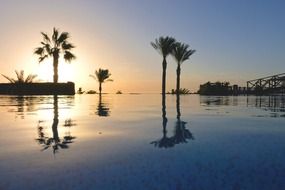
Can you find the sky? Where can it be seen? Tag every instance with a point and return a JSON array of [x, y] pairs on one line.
[[234, 40]]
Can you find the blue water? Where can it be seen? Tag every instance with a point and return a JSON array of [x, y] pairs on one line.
[[129, 142]]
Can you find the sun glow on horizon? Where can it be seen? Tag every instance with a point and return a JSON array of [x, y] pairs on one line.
[[66, 71]]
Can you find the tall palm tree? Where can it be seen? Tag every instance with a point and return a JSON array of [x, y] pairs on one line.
[[102, 75], [53, 47], [181, 53], [21, 78], [164, 46]]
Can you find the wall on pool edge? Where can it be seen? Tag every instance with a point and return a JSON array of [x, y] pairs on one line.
[[37, 88]]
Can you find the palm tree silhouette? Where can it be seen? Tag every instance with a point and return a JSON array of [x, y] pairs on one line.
[[102, 75], [181, 53], [21, 79], [53, 47], [164, 46]]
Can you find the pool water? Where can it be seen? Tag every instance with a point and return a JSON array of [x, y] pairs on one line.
[[134, 141]]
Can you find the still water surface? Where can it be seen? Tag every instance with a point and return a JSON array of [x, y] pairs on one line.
[[131, 142]]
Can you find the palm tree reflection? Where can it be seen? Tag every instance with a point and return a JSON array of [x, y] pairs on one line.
[[22, 104], [55, 142], [181, 133], [102, 109], [164, 142]]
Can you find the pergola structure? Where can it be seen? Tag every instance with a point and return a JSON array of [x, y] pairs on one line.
[[267, 85]]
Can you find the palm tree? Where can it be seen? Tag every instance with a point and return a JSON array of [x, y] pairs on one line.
[[102, 75], [21, 78], [181, 53], [164, 45], [53, 47]]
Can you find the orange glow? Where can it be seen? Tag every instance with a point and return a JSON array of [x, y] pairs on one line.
[[66, 71]]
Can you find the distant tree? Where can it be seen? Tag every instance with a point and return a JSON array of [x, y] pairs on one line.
[[21, 78], [164, 46], [102, 75], [80, 91], [181, 91], [180, 53], [53, 47], [91, 92]]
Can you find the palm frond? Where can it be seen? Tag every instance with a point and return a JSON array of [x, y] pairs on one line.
[[55, 36], [20, 76], [67, 46], [46, 38], [63, 36], [93, 77], [188, 54], [164, 45], [181, 52], [30, 78], [42, 58], [48, 49], [68, 56], [11, 80], [39, 51], [154, 45]]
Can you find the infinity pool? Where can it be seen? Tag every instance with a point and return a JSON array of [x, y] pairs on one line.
[[133, 141]]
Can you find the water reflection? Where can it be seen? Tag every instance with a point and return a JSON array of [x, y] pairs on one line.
[[55, 142], [274, 105], [165, 141], [270, 103], [215, 100], [102, 109], [181, 133], [22, 104]]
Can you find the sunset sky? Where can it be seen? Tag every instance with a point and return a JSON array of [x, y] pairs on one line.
[[236, 40]]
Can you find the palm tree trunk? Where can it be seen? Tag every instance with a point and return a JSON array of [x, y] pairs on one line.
[[100, 88], [178, 71], [55, 68], [164, 65]]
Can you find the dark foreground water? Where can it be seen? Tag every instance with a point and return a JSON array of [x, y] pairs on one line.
[[130, 142]]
